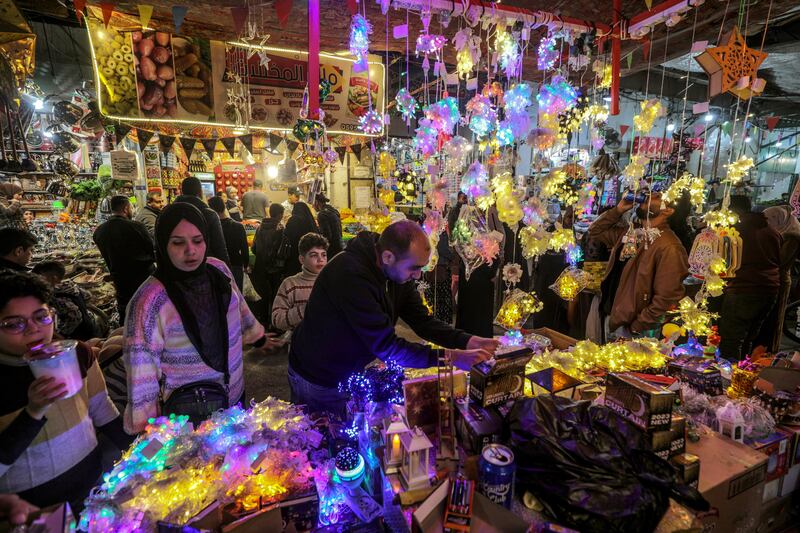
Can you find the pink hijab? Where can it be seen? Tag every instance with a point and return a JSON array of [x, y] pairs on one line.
[[781, 219]]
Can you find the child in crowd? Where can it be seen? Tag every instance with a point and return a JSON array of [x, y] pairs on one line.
[[49, 451], [290, 302]]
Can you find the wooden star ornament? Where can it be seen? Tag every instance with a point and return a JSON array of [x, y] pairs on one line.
[[733, 67]]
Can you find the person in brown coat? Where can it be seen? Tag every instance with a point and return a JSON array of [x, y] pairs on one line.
[[639, 290]]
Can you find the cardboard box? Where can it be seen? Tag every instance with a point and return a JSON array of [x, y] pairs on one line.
[[558, 340], [776, 447], [698, 372], [487, 517], [776, 516], [789, 483], [501, 381], [688, 467], [477, 426], [731, 479], [645, 405], [422, 399], [794, 446], [669, 442]]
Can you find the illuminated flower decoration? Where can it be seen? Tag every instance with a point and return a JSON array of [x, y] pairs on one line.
[[386, 164], [596, 113], [509, 209], [430, 44], [546, 54], [557, 96], [436, 193], [406, 105], [508, 54], [517, 307], [721, 218], [371, 122], [512, 273], [426, 138], [556, 184], [635, 170], [651, 110], [493, 91], [482, 115], [469, 51], [534, 241], [456, 149], [738, 170], [475, 184], [694, 316], [488, 245], [360, 29], [687, 182], [443, 115]]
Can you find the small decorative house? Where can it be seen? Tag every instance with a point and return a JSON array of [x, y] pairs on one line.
[[393, 428], [415, 467]]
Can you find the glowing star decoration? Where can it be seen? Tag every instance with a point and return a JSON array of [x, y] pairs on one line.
[[371, 122], [517, 307], [386, 164], [426, 137], [546, 53], [695, 186], [360, 29], [507, 49], [475, 184], [406, 105], [481, 114], [570, 282], [733, 67], [443, 115], [650, 111], [738, 170], [509, 209], [430, 44], [694, 316]]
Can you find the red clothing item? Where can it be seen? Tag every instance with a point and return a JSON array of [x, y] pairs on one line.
[[761, 257]]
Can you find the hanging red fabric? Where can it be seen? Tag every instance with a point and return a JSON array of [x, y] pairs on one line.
[[282, 9]]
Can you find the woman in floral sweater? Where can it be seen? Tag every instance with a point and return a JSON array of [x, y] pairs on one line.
[[186, 323]]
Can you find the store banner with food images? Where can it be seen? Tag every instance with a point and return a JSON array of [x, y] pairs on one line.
[[148, 75]]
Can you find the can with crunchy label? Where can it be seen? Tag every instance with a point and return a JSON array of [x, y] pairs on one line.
[[496, 470]]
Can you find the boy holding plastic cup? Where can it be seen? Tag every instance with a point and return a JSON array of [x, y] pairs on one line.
[[47, 455]]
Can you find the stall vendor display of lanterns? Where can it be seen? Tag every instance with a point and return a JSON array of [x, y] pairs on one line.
[[415, 468], [394, 427]]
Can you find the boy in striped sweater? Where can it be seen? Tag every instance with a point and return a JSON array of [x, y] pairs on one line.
[[290, 302], [48, 443]]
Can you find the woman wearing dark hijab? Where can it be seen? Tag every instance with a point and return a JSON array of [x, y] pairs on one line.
[[300, 223], [187, 321]]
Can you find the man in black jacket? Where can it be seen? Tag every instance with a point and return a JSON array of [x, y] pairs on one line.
[[127, 250], [192, 193], [266, 276], [330, 224], [351, 314], [235, 240]]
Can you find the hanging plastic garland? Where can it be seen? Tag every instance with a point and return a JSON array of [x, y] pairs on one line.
[[738, 170], [482, 115], [360, 29], [430, 44], [406, 105], [468, 54], [651, 110]]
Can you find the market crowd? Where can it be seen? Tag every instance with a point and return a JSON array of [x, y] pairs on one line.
[[181, 271]]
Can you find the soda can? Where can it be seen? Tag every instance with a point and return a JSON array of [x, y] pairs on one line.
[[496, 470]]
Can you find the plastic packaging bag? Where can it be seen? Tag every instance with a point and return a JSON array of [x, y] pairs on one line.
[[590, 468]]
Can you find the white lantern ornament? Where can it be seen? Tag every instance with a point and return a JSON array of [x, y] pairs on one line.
[[415, 469]]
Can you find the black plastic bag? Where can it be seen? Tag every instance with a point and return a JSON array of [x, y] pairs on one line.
[[590, 468]]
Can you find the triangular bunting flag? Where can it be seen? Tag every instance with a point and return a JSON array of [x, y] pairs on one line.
[[649, 4], [166, 142], [274, 141], [188, 146], [356, 148], [210, 145], [292, 146], [772, 122], [247, 141], [239, 16], [120, 132], [108, 9], [623, 129], [229, 143], [144, 137], [79, 6], [178, 14], [341, 150], [282, 9], [145, 12], [698, 129]]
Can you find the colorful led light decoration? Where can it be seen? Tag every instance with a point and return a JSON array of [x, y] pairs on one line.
[[360, 29], [371, 122], [406, 105]]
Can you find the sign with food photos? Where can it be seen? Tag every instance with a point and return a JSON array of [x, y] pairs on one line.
[[149, 75]]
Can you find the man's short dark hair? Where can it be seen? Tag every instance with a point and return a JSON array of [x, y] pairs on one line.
[[191, 186], [293, 191], [258, 184], [152, 195], [21, 285], [276, 210], [50, 267], [310, 241], [13, 238], [397, 237], [118, 203], [740, 204], [217, 204]]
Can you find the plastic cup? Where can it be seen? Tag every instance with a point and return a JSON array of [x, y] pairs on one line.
[[57, 360]]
